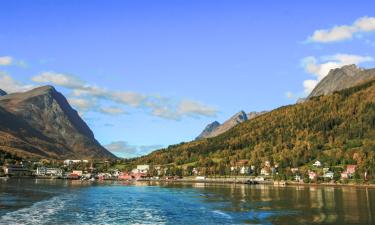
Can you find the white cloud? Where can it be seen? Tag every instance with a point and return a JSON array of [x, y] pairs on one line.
[[159, 106], [6, 61], [8, 84], [128, 98], [343, 32], [112, 110], [319, 68], [187, 107], [124, 149], [82, 104], [58, 79]]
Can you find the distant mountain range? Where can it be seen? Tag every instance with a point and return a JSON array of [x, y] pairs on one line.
[[335, 124], [215, 128], [41, 123]]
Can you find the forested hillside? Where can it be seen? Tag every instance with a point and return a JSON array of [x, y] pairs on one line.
[[337, 129]]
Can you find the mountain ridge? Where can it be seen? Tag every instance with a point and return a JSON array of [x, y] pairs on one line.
[[47, 111]]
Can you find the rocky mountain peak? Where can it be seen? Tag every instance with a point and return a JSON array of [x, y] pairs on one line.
[[208, 130], [2, 92], [239, 117], [48, 111], [341, 78]]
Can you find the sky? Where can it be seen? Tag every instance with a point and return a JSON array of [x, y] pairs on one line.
[[147, 74]]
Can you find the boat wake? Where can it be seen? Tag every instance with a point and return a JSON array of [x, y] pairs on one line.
[[39, 213]]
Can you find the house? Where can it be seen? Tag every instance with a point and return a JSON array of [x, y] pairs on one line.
[[16, 171], [77, 172], [351, 169], [349, 172], [329, 175], [44, 171], [312, 175], [244, 170], [195, 171], [317, 164], [345, 175], [265, 171], [267, 164], [297, 178], [125, 176], [141, 169]]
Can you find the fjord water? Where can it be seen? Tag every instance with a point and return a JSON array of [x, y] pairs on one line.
[[28, 201]]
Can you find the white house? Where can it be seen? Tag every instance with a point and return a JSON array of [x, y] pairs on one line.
[[317, 163], [328, 175], [141, 169], [244, 170]]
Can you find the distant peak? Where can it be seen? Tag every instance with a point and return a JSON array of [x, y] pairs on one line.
[[2, 92], [350, 69], [240, 115]]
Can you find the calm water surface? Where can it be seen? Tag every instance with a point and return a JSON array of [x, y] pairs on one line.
[[27, 201]]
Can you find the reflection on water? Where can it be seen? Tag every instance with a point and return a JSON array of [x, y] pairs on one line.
[[181, 203]]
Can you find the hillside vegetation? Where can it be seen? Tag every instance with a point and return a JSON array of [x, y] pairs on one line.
[[337, 129]]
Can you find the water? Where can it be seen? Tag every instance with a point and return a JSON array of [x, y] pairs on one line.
[[27, 201]]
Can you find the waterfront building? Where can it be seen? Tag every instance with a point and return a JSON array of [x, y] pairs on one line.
[[143, 169], [349, 172], [265, 171], [244, 170], [312, 175], [44, 171], [297, 178], [351, 169], [77, 172], [16, 171], [328, 175]]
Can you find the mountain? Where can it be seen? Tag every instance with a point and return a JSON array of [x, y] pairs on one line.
[[52, 122], [252, 115], [336, 129], [209, 129], [341, 78], [2, 93], [214, 129]]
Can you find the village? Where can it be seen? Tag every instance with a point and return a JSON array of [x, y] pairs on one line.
[[240, 172]]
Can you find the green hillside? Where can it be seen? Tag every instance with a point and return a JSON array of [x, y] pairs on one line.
[[338, 129]]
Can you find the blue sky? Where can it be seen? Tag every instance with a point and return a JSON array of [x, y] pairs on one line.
[[146, 74]]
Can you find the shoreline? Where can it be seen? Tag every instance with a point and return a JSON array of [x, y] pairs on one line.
[[242, 181]]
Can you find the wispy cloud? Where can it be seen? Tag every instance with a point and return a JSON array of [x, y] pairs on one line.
[[124, 149], [343, 32], [159, 106], [10, 61], [6, 61], [320, 67], [8, 84], [112, 110]]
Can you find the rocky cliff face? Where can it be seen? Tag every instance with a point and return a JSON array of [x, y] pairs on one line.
[[48, 113], [208, 130], [341, 78]]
